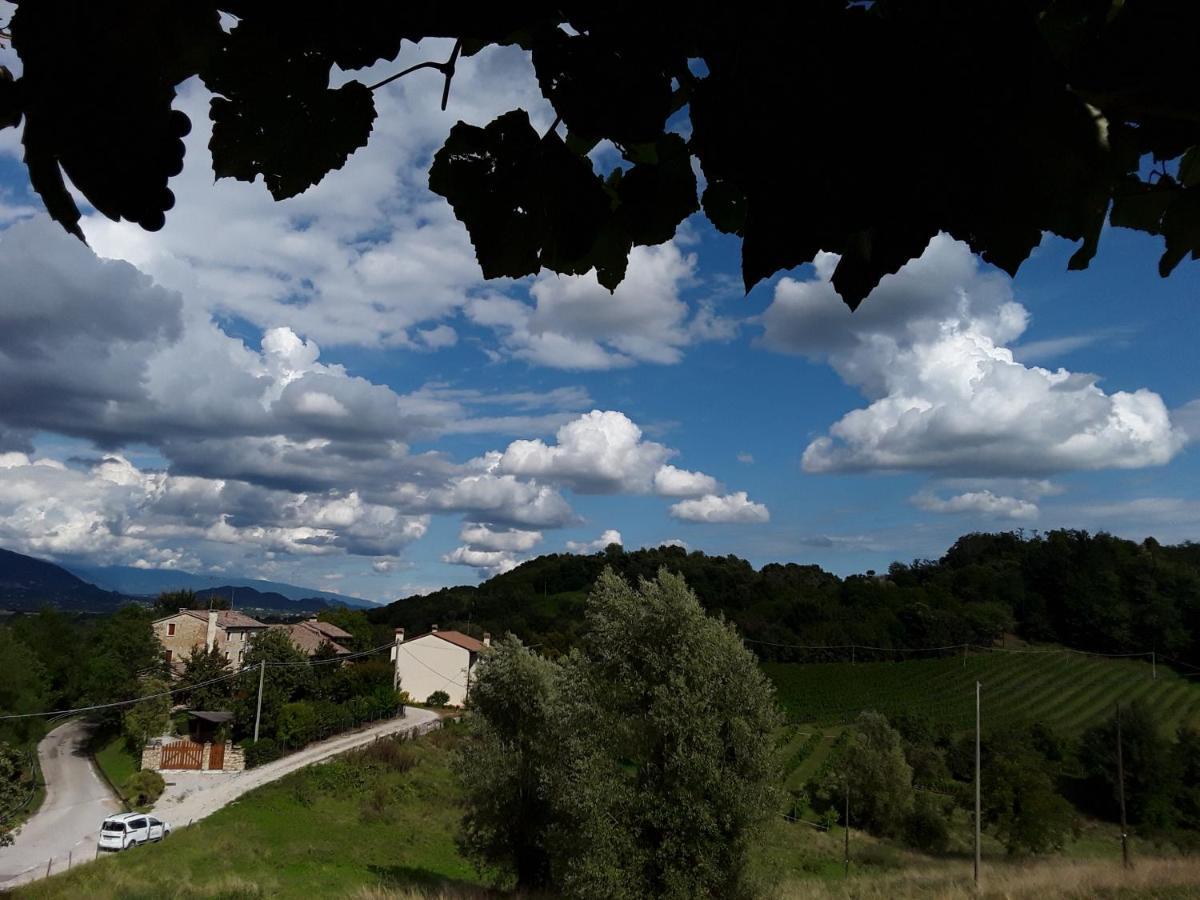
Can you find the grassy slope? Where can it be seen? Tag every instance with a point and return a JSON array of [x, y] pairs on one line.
[[326, 831], [1064, 690], [115, 761]]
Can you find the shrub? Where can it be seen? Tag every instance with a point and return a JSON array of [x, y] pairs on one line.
[[297, 724], [438, 698], [144, 787], [389, 754], [926, 827], [259, 752]]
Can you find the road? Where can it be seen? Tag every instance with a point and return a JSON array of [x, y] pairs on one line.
[[66, 825], [77, 800]]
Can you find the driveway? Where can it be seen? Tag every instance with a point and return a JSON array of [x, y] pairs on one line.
[[190, 796], [65, 827]]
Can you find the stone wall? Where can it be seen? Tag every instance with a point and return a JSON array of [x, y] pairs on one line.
[[235, 759], [152, 755]]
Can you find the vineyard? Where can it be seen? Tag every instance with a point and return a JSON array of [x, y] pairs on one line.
[[1067, 691]]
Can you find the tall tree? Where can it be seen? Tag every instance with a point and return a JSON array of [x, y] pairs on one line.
[[149, 718], [281, 683], [200, 671]]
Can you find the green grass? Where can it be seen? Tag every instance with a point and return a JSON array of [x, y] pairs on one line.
[[1064, 690], [327, 831], [114, 760]]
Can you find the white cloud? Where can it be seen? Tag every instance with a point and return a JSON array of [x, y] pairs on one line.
[[491, 562], [736, 507], [611, 536], [672, 482], [746, 458], [928, 349], [481, 537], [1187, 417], [984, 503]]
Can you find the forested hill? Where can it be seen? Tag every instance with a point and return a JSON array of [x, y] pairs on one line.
[[1091, 591], [28, 584]]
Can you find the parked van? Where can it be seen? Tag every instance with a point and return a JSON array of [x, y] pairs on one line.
[[130, 829]]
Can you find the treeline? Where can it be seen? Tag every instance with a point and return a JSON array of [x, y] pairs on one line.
[[907, 777], [1096, 592]]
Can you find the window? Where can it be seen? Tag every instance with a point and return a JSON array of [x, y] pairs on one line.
[[137, 823], [169, 655], [170, 628], [226, 656]]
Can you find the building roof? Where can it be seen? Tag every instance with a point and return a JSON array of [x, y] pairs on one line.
[[309, 639], [330, 630], [217, 716], [226, 618], [454, 637]]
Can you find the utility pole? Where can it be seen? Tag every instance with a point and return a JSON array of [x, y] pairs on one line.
[[1154, 665], [262, 670], [847, 836], [1121, 793], [852, 654], [965, 646], [978, 805]]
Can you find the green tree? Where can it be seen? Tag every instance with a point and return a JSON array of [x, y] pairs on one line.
[[1020, 797], [24, 688], [199, 669], [281, 684], [148, 718], [13, 791], [1152, 775], [879, 776], [656, 761], [502, 766], [125, 648], [366, 635], [58, 640]]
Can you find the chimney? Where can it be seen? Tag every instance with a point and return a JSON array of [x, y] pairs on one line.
[[210, 637], [395, 654], [487, 639], [433, 629]]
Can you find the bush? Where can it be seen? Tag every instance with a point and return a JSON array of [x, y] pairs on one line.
[[259, 752], [926, 827], [144, 787], [438, 698], [389, 754], [297, 724]]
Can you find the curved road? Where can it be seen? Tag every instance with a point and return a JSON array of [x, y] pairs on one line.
[[77, 800]]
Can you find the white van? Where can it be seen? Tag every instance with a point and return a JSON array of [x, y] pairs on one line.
[[130, 829]]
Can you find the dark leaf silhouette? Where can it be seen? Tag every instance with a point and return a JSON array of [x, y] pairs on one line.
[[858, 129]]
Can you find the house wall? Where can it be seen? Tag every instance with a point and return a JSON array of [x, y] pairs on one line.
[[427, 664], [189, 633]]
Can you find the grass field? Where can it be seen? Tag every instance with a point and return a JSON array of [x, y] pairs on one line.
[[363, 821], [1065, 690]]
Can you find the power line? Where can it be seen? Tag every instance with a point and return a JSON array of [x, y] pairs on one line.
[[985, 648]]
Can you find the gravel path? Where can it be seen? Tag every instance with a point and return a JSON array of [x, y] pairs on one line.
[[195, 795]]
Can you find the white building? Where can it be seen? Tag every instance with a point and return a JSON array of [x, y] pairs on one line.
[[437, 661]]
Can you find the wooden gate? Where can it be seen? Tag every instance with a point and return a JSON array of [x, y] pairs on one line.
[[182, 755], [216, 756]]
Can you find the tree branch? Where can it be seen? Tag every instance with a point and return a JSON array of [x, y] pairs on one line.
[[446, 68]]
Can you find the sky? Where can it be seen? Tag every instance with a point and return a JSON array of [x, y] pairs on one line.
[[325, 391]]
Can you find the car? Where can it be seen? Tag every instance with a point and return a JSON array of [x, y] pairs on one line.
[[130, 830]]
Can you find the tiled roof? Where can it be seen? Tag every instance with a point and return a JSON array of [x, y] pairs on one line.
[[330, 630], [454, 637], [226, 618], [309, 639]]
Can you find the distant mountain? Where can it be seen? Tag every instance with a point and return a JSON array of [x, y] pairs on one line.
[[27, 583], [248, 598], [151, 582]]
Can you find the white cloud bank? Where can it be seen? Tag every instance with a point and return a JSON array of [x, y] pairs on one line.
[[983, 503], [731, 508], [929, 350], [611, 536]]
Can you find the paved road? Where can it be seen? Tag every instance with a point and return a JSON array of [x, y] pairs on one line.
[[77, 800]]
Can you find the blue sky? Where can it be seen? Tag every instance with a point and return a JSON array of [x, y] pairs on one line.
[[326, 392]]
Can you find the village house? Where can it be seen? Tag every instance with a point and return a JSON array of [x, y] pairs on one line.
[[437, 661], [309, 635], [226, 629]]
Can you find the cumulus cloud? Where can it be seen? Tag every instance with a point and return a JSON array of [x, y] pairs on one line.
[[604, 452], [983, 503], [484, 538], [929, 350], [491, 562], [736, 507], [610, 536]]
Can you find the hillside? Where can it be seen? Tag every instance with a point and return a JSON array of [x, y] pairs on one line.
[[151, 582], [28, 584], [1066, 691], [248, 598], [1071, 588]]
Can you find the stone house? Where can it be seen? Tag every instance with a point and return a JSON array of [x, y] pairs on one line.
[[226, 629], [437, 661], [310, 634]]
